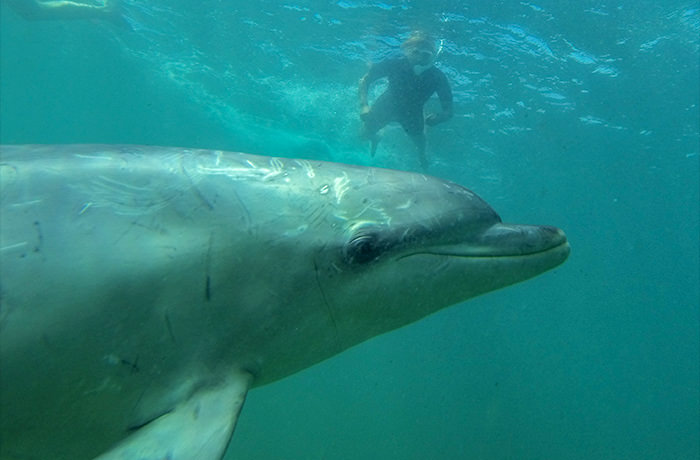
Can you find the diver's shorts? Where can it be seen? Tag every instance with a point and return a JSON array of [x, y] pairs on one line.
[[386, 109]]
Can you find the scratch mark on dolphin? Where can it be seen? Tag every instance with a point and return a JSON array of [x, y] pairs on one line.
[[341, 185], [40, 236], [14, 246], [207, 269], [170, 327], [328, 309]]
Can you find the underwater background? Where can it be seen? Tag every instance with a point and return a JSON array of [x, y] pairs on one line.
[[579, 114]]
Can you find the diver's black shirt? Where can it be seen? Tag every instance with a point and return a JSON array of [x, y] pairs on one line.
[[408, 91]]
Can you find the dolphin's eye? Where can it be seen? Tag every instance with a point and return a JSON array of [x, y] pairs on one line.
[[361, 248]]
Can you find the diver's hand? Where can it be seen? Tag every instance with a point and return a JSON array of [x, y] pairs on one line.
[[364, 110], [433, 119]]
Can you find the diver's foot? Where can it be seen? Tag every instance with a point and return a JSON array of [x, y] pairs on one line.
[[373, 139], [373, 146], [423, 162]]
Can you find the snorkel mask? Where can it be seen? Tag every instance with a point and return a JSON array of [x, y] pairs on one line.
[[420, 51], [422, 60]]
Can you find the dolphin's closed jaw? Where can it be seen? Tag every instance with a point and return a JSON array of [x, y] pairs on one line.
[[506, 240], [513, 240]]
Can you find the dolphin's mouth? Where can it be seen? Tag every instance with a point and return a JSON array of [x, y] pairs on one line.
[[482, 255], [370, 243], [502, 240]]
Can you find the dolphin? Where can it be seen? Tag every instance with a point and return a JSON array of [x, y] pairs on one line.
[[145, 290]]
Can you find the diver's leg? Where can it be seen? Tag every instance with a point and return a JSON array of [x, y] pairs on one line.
[[370, 131], [419, 141], [414, 125], [373, 143]]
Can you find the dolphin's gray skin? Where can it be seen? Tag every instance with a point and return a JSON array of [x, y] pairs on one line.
[[145, 289]]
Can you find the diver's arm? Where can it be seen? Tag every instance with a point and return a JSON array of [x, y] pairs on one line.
[[376, 71], [445, 94], [433, 119], [363, 91], [446, 113]]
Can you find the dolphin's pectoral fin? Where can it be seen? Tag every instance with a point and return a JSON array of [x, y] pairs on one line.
[[199, 428]]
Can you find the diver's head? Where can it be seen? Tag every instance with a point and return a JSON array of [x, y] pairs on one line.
[[419, 49]]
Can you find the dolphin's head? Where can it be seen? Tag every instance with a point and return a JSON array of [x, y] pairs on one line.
[[343, 253], [405, 245]]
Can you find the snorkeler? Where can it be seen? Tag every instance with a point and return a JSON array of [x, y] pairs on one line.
[[412, 81], [63, 9]]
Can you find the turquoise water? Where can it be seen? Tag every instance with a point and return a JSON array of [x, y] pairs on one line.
[[579, 114]]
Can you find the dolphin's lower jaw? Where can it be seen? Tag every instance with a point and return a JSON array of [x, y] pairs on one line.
[[538, 262], [474, 275], [438, 277], [507, 240]]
